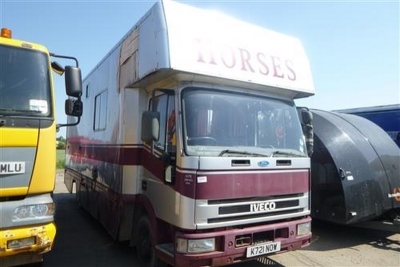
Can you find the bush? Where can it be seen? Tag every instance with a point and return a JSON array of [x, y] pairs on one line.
[[60, 160], [60, 164], [61, 142]]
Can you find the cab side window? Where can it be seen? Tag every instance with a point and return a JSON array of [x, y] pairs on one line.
[[165, 105]]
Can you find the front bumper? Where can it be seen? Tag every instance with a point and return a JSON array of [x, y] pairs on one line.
[[34, 240]]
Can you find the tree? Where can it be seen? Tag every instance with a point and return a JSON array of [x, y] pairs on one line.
[[61, 142]]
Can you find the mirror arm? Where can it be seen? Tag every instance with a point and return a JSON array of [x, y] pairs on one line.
[[58, 126], [66, 57]]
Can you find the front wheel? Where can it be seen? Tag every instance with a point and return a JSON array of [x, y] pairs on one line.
[[145, 249]]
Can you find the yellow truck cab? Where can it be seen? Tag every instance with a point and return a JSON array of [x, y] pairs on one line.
[[28, 147]]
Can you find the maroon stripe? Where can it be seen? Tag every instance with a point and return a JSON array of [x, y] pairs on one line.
[[227, 185], [122, 154], [153, 165], [217, 185], [117, 154]]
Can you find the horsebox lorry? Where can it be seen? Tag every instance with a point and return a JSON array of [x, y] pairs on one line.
[[191, 147], [28, 147]]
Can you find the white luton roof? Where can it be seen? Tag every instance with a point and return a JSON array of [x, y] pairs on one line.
[[191, 40]]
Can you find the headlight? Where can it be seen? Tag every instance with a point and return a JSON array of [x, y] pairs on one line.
[[33, 211], [304, 228], [195, 245]]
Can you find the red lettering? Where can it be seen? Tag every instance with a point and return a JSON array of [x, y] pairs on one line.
[[291, 74], [245, 56], [277, 67], [264, 67], [242, 59], [231, 55], [200, 56]]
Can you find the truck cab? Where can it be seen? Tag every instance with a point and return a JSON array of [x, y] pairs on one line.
[[28, 148]]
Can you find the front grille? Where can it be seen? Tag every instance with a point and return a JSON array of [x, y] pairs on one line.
[[261, 237], [242, 200], [13, 198], [253, 216], [228, 211], [247, 208]]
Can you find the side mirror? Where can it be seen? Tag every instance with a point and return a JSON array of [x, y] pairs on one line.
[[150, 126], [57, 68], [73, 81], [306, 116], [308, 130], [73, 107]]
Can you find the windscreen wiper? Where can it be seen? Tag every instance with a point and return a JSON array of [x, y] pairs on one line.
[[243, 153], [11, 111], [285, 153]]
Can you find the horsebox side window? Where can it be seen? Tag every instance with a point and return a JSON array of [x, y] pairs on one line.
[[100, 111]]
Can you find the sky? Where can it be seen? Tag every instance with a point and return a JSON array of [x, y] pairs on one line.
[[353, 46]]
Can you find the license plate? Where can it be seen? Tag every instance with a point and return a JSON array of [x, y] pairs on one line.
[[12, 167], [262, 249]]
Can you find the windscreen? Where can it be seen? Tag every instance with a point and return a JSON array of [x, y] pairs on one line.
[[24, 82], [222, 123]]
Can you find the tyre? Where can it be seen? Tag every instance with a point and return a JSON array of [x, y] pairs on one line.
[[145, 249]]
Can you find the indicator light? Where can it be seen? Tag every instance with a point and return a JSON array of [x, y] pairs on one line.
[[6, 33]]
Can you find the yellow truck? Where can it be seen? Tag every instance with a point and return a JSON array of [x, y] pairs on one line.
[[28, 146]]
